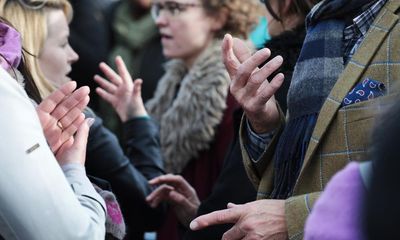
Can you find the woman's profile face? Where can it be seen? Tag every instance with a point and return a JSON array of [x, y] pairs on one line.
[[185, 28], [57, 56]]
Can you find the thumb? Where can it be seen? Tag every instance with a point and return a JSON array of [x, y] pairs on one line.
[[81, 138]]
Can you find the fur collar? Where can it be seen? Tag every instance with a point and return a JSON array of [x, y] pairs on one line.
[[189, 105]]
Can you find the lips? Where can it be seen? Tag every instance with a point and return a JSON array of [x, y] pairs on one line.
[[166, 36]]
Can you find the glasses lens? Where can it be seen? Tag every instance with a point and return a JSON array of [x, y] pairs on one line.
[[155, 10]]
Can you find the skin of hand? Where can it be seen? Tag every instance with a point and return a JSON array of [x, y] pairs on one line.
[[250, 85], [74, 150], [176, 191], [120, 91], [262, 219], [64, 105]]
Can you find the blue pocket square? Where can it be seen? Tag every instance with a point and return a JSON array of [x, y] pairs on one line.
[[363, 91]]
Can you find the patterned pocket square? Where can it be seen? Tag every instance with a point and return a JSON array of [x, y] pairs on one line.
[[363, 91]]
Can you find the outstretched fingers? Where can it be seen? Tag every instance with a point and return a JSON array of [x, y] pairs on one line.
[[245, 79], [110, 74], [105, 84]]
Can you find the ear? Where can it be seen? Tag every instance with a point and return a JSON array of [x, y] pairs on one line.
[[219, 20]]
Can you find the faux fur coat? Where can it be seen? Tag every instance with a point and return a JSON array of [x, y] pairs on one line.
[[189, 104]]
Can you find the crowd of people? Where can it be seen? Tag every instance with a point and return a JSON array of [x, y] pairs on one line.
[[205, 134]]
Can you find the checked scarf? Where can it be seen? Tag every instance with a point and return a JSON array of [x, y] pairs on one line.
[[317, 70]]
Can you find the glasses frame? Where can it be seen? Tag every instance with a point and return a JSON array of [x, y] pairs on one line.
[[156, 8], [37, 5]]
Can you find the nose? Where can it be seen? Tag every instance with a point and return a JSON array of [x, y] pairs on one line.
[[72, 55], [161, 20]]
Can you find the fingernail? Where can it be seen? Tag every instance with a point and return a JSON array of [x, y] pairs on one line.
[[194, 225], [90, 121]]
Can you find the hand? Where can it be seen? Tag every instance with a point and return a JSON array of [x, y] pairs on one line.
[[60, 114], [249, 84], [74, 150], [121, 92], [178, 192], [262, 219]]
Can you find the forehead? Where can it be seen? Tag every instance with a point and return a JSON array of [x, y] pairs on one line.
[[57, 24]]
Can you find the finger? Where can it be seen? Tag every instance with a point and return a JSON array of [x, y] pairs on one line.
[[110, 74], [159, 191], [160, 179], [218, 217], [244, 75], [81, 138], [230, 61], [178, 199], [108, 97], [137, 87], [106, 85], [269, 68], [70, 102], [240, 49], [66, 145], [72, 115], [234, 233], [232, 205], [48, 104], [72, 128], [268, 89], [176, 181], [123, 71], [159, 195]]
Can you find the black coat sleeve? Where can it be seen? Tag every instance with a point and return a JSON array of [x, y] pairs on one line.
[[128, 173]]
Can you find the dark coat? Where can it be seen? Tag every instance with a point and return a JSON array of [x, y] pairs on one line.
[[90, 38], [129, 172]]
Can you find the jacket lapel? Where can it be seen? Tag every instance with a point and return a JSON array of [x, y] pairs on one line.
[[377, 33]]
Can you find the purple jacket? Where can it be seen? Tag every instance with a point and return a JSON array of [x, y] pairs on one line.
[[337, 213], [10, 47]]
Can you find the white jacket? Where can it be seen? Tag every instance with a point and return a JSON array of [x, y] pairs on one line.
[[37, 199]]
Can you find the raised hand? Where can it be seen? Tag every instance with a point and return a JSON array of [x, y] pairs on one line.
[[259, 220], [120, 91], [250, 85], [177, 191], [60, 114]]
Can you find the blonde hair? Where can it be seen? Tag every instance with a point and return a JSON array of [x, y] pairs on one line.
[[31, 22]]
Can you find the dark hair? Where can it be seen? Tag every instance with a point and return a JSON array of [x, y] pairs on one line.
[[381, 208], [301, 7]]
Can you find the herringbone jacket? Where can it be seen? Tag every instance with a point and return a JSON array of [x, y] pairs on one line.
[[341, 134]]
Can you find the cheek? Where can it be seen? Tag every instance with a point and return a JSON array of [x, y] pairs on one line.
[[53, 66]]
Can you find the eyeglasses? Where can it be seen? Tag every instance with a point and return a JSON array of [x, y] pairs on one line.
[[32, 4], [171, 8]]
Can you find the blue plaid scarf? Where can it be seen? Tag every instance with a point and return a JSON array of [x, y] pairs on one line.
[[317, 70]]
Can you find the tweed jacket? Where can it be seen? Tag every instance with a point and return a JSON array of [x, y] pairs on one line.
[[341, 134]]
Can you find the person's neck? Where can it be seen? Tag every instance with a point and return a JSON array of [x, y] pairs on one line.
[[289, 23]]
